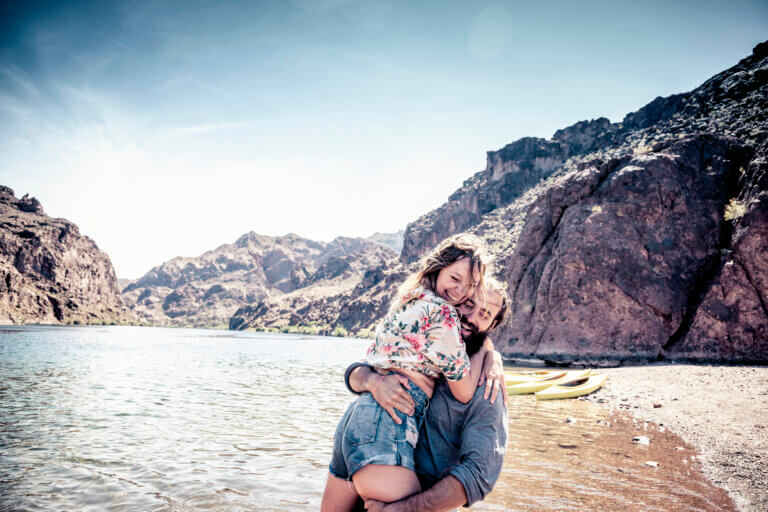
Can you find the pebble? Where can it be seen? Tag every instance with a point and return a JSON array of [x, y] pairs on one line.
[[652, 463], [656, 406], [567, 445], [642, 440], [571, 420]]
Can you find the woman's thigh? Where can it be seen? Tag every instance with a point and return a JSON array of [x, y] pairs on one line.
[[385, 483], [339, 495]]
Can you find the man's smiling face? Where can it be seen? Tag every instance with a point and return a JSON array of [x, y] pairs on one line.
[[478, 313]]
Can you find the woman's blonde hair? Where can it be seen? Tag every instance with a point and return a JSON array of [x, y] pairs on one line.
[[447, 252]]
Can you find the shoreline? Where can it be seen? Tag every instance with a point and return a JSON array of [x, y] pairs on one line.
[[720, 410]]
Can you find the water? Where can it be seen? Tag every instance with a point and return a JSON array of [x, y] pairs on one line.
[[128, 418]]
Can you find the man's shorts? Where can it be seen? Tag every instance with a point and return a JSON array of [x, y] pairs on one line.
[[367, 434]]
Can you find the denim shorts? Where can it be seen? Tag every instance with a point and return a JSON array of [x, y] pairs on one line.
[[367, 434]]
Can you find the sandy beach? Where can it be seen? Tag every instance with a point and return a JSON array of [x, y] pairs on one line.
[[720, 410]]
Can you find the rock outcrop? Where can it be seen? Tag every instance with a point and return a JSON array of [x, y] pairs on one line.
[[614, 254], [509, 172], [49, 272], [731, 320]]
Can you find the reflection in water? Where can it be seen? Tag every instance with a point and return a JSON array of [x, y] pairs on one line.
[[172, 419]]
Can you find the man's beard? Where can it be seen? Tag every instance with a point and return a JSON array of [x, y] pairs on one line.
[[475, 340]]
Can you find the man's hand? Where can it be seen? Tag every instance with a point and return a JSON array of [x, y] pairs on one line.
[[388, 390], [377, 506], [391, 394], [493, 377], [380, 506], [447, 494]]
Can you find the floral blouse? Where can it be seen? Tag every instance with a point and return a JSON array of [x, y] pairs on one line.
[[420, 333]]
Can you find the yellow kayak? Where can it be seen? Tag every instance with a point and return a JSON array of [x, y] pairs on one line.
[[511, 377], [537, 385], [572, 389]]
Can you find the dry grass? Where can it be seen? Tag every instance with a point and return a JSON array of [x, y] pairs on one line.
[[735, 209]]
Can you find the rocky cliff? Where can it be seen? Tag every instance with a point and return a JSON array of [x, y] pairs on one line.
[[252, 274], [49, 272], [636, 240]]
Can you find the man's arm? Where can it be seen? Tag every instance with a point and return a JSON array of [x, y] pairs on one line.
[[483, 445], [445, 495], [358, 376], [388, 390], [481, 453]]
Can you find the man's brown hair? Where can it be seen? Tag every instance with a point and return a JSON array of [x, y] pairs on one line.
[[491, 284]]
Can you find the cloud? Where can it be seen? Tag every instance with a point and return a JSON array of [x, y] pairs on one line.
[[207, 128], [18, 78], [489, 32]]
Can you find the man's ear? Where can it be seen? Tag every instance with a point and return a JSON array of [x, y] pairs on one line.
[[494, 324]]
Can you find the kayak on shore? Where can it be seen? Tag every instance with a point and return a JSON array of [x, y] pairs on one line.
[[535, 385], [574, 388]]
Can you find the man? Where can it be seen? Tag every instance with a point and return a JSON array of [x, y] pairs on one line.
[[461, 447]]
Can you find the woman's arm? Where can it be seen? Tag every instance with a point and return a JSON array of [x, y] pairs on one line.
[[493, 374], [464, 389]]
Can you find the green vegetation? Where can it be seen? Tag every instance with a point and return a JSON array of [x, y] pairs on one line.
[[340, 331], [312, 329], [364, 334], [735, 209]]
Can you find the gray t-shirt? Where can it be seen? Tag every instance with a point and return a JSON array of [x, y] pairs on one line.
[[467, 441]]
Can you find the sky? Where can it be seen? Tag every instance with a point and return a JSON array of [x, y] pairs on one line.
[[167, 128]]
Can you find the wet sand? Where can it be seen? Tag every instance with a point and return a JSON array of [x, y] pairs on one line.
[[576, 455], [722, 411]]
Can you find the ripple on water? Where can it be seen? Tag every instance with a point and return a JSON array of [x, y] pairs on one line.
[[149, 419]]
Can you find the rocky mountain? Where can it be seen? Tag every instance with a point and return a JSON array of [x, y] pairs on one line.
[[251, 274], [637, 240], [49, 272], [349, 297], [392, 240]]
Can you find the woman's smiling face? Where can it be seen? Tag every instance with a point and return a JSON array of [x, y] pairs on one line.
[[455, 282]]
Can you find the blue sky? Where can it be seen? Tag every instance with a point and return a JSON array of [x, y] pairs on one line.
[[168, 128]]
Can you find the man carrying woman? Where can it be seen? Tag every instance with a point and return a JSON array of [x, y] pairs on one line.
[[462, 441]]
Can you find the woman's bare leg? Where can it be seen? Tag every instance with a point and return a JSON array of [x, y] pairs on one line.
[[386, 483], [339, 495]]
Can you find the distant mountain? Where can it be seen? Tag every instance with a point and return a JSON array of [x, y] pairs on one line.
[[207, 290], [49, 272], [392, 240]]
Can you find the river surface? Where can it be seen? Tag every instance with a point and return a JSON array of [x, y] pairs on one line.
[[153, 419]]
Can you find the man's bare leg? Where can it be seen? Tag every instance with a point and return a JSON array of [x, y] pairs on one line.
[[339, 495]]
